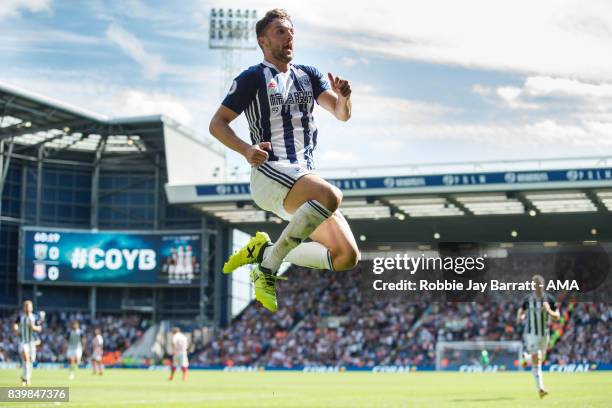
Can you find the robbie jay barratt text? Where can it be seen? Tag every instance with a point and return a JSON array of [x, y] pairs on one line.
[[494, 285]]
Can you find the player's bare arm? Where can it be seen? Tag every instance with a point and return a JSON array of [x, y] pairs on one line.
[[552, 313], [219, 127], [337, 100]]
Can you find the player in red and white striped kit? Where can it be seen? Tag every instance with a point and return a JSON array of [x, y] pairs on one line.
[[179, 353]]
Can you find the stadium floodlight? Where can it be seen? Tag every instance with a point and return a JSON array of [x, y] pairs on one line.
[[232, 29]]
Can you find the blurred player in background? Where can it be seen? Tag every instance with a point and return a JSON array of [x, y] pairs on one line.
[[75, 348], [535, 314], [484, 359], [97, 344], [179, 353], [26, 326], [278, 100]]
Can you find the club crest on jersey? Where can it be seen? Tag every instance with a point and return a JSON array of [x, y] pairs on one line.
[[272, 84], [304, 80]]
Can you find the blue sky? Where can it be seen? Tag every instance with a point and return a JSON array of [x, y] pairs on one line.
[[435, 81]]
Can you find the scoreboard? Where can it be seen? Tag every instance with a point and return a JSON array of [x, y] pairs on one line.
[[109, 257]]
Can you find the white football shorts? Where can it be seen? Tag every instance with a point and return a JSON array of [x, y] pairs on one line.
[[536, 344], [271, 182], [180, 360]]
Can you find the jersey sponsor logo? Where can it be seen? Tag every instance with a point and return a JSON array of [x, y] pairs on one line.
[[293, 98]]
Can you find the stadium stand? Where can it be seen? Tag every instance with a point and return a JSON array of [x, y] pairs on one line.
[[325, 320]]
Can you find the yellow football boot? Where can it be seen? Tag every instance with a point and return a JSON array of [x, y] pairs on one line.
[[265, 287], [249, 254]]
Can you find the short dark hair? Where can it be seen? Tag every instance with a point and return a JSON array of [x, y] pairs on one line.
[[270, 16]]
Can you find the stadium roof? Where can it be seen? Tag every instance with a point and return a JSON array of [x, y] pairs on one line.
[[535, 199], [32, 121]]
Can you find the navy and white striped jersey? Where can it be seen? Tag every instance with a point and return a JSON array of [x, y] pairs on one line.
[[26, 334], [74, 340], [536, 321], [278, 107]]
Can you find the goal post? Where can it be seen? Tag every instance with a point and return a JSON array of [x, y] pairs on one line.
[[483, 355]]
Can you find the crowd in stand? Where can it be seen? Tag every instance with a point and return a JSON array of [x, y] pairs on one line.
[[345, 326], [118, 332], [328, 319], [254, 331], [587, 337]]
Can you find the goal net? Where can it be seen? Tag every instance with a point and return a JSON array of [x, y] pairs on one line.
[[478, 355]]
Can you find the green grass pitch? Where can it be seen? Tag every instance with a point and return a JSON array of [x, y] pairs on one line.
[[140, 388]]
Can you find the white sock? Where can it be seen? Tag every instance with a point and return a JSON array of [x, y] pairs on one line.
[[536, 370], [310, 255], [24, 370], [306, 219], [29, 371]]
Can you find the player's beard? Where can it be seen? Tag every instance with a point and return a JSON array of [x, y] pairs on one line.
[[279, 54]]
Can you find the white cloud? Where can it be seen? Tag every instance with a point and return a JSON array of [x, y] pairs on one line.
[[539, 133], [511, 97], [13, 8], [350, 62], [377, 122], [137, 102], [440, 141], [370, 106], [509, 93], [87, 91], [395, 129], [26, 38], [566, 38], [482, 90], [545, 86], [152, 65], [592, 98]]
